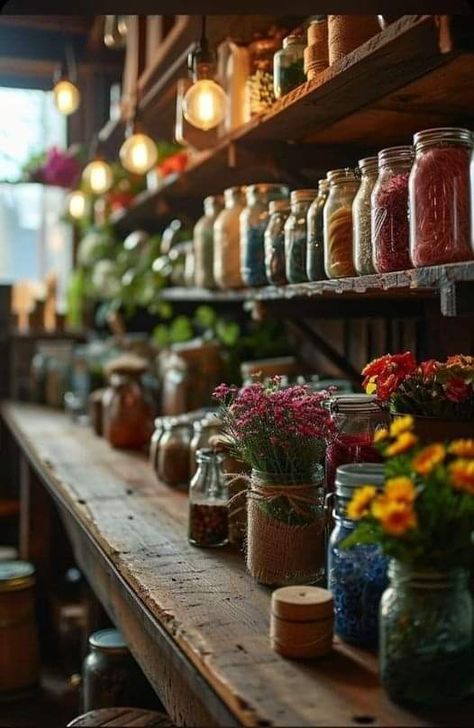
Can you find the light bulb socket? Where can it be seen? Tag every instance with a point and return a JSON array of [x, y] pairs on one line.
[[60, 74], [202, 61]]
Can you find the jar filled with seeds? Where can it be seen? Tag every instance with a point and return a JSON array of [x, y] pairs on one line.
[[295, 235], [260, 81], [315, 234], [173, 453], [288, 65], [208, 516], [338, 256], [274, 242], [361, 217]]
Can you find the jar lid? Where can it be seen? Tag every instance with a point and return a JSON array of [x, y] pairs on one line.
[[234, 192], [213, 200], [354, 403], [293, 39], [341, 175], [369, 164], [108, 640], [16, 575], [177, 423], [403, 153], [279, 206], [302, 603], [353, 476], [207, 455], [126, 364], [303, 195], [207, 423], [267, 188], [443, 134], [323, 185]]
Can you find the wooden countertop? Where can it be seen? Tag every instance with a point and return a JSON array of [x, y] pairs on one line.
[[195, 621]]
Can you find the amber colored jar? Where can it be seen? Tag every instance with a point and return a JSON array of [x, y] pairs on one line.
[[128, 415], [173, 453]]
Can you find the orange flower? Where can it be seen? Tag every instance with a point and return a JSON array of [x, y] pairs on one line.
[[360, 502], [404, 442], [428, 458], [381, 434], [462, 448], [396, 517], [400, 490], [462, 475], [401, 424]]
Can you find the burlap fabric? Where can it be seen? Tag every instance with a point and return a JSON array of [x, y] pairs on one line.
[[347, 32]]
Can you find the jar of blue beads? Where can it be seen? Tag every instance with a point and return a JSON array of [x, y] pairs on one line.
[[357, 577]]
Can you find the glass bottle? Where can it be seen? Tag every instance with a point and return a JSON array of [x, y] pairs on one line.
[[127, 411], [227, 240], [155, 442], [315, 234], [208, 516], [389, 210], [295, 235], [204, 430], [288, 65], [203, 239], [426, 636], [260, 81], [337, 215], [253, 221], [440, 197], [357, 576], [361, 226], [274, 242], [356, 418], [173, 452]]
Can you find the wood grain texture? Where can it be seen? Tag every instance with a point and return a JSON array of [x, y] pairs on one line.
[[194, 607]]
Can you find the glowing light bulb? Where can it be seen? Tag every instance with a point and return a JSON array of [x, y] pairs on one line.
[[66, 97], [204, 104], [138, 153], [98, 176], [76, 204]]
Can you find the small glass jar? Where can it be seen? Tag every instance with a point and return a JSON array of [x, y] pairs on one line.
[[203, 431], [260, 80], [173, 452], [274, 242], [127, 411], [440, 196], [227, 240], [337, 215], [357, 576], [208, 516], [288, 65], [426, 636], [389, 210], [253, 221], [315, 234], [361, 225], [356, 418], [203, 239], [295, 235], [155, 442]]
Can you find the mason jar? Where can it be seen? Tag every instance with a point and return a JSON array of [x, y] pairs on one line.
[[208, 516], [288, 65], [227, 240], [337, 215], [295, 235], [259, 84], [203, 241], [361, 225], [253, 221], [315, 234], [173, 452], [274, 242], [127, 411]]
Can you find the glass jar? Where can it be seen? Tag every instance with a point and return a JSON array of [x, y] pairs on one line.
[[253, 221], [203, 431], [260, 81], [357, 576], [203, 239], [389, 210], [440, 197], [155, 442], [295, 235], [361, 224], [127, 412], [426, 636], [315, 234], [227, 240], [356, 418], [337, 215], [173, 452], [288, 65], [274, 242], [208, 517]]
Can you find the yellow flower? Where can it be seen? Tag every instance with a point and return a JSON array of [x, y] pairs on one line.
[[462, 448], [428, 458], [380, 434], [404, 442], [359, 505], [400, 490], [462, 475], [396, 517], [371, 386], [401, 424]]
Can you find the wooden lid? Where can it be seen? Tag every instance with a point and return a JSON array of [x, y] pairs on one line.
[[302, 603], [16, 575], [123, 717]]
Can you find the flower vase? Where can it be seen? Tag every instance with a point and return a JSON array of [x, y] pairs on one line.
[[431, 429]]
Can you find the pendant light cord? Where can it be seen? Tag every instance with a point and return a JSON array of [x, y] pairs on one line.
[[71, 63]]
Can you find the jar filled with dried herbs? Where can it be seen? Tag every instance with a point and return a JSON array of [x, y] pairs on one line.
[[260, 81], [361, 217], [288, 65]]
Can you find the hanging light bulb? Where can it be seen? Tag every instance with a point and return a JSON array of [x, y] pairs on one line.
[[138, 153], [98, 176], [77, 204], [66, 97]]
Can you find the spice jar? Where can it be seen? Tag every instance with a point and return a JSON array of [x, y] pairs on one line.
[[361, 225], [337, 215], [357, 577], [356, 418], [204, 430], [260, 81], [295, 235], [208, 518], [253, 221], [315, 234], [288, 65], [173, 452], [440, 196], [389, 210], [227, 240], [274, 242], [301, 624], [203, 239]]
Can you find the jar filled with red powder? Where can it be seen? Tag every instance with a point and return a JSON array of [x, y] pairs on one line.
[[389, 214], [356, 418], [440, 196]]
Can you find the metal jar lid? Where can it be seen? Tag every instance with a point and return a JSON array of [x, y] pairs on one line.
[[108, 640], [354, 404], [442, 135], [353, 476], [401, 154], [307, 195], [16, 575]]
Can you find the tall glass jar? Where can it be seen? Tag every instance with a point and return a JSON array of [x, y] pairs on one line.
[[440, 195], [173, 452], [203, 240], [253, 221], [295, 235], [127, 410], [203, 431], [357, 576], [389, 210], [274, 242], [288, 65], [426, 636], [356, 418], [260, 81], [338, 256], [315, 234], [208, 516], [227, 240], [361, 225]]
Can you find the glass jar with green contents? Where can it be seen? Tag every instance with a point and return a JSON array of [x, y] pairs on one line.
[[338, 257], [361, 216], [288, 65], [315, 234], [203, 242], [295, 235]]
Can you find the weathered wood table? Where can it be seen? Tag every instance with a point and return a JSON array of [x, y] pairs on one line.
[[194, 620]]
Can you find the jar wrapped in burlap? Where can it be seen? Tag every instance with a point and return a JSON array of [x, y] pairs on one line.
[[347, 32]]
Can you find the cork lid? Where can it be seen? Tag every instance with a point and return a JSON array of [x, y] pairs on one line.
[[126, 364], [16, 575], [302, 603]]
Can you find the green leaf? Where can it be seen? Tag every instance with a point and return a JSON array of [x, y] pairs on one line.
[[228, 332], [365, 533], [181, 330], [205, 316], [161, 336]]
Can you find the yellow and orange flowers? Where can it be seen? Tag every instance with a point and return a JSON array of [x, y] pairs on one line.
[[400, 490], [462, 448], [396, 517], [404, 442], [359, 506], [462, 475], [428, 458], [401, 424]]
